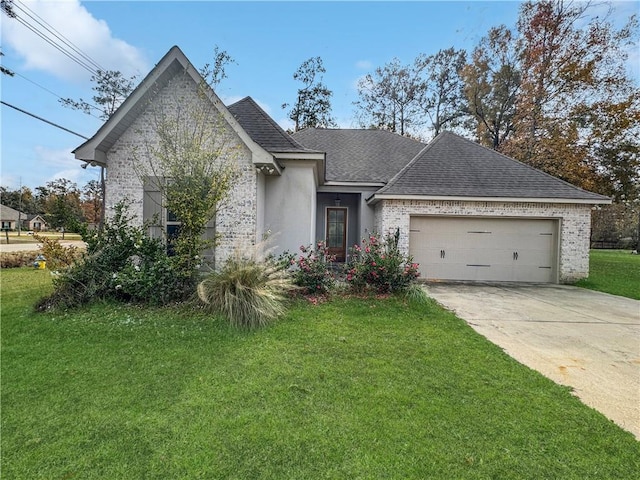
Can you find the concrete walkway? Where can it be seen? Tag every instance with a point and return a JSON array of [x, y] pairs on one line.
[[576, 337]]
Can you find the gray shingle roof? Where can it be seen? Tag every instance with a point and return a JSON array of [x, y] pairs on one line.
[[360, 155], [10, 214], [262, 128], [454, 166]]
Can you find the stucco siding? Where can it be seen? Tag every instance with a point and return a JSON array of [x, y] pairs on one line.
[[575, 224], [290, 210]]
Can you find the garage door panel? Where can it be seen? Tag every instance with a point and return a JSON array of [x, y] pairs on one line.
[[484, 249]]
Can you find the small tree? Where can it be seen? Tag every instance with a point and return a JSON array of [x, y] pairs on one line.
[[194, 153]]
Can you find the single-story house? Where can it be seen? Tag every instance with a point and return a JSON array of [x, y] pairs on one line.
[[35, 223], [463, 211], [10, 218]]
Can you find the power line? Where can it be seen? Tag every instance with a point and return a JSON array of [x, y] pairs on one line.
[[42, 119], [59, 35], [56, 95], [54, 38]]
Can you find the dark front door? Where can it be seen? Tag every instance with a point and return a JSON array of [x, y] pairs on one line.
[[337, 233]]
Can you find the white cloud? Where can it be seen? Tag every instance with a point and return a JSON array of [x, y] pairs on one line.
[[62, 164], [364, 65], [88, 34]]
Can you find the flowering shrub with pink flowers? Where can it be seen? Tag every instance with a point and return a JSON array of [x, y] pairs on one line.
[[313, 271], [378, 265]]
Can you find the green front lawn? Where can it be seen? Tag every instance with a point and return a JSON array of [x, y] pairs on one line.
[[614, 271], [354, 388]]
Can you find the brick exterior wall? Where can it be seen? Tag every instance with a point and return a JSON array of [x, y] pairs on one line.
[[575, 224], [236, 221]]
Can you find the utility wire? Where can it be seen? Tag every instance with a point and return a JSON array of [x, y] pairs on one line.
[[53, 38], [57, 34], [55, 94], [42, 119]]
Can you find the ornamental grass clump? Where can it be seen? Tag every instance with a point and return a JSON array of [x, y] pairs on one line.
[[379, 266], [250, 293]]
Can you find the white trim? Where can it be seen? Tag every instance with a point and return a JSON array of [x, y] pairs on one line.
[[376, 198], [299, 155], [91, 149], [354, 184]]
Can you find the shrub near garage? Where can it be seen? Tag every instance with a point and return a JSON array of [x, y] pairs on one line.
[[380, 266]]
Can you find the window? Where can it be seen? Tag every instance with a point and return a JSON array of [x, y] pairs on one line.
[[163, 223]]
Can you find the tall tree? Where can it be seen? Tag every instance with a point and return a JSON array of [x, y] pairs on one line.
[[92, 202], [312, 107], [21, 199], [111, 89], [573, 64], [444, 101], [391, 98], [61, 203], [492, 82]]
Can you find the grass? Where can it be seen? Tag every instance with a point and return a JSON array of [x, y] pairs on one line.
[[349, 389], [614, 271], [24, 237]]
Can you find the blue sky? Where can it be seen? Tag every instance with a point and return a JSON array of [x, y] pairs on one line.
[[268, 40]]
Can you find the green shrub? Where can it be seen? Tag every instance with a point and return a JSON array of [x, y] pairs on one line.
[[313, 269], [249, 293], [57, 256], [378, 265], [121, 263]]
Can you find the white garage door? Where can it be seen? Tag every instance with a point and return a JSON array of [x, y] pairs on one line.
[[485, 249]]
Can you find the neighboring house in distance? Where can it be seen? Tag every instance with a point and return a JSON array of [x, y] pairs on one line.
[[35, 223], [463, 211], [10, 217]]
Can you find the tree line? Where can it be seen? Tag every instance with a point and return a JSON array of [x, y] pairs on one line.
[[60, 202], [553, 92]]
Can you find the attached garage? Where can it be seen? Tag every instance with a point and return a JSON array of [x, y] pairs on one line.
[[466, 212], [485, 249]]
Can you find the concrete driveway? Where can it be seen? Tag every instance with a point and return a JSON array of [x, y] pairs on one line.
[[576, 337]]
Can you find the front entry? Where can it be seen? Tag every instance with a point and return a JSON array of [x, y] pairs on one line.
[[337, 233]]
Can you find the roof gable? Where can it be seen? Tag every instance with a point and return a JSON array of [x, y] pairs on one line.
[[452, 166], [356, 155], [172, 64]]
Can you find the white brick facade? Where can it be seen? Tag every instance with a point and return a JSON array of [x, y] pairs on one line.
[[575, 224], [236, 222]]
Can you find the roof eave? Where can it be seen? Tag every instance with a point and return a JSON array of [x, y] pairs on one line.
[[375, 198]]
